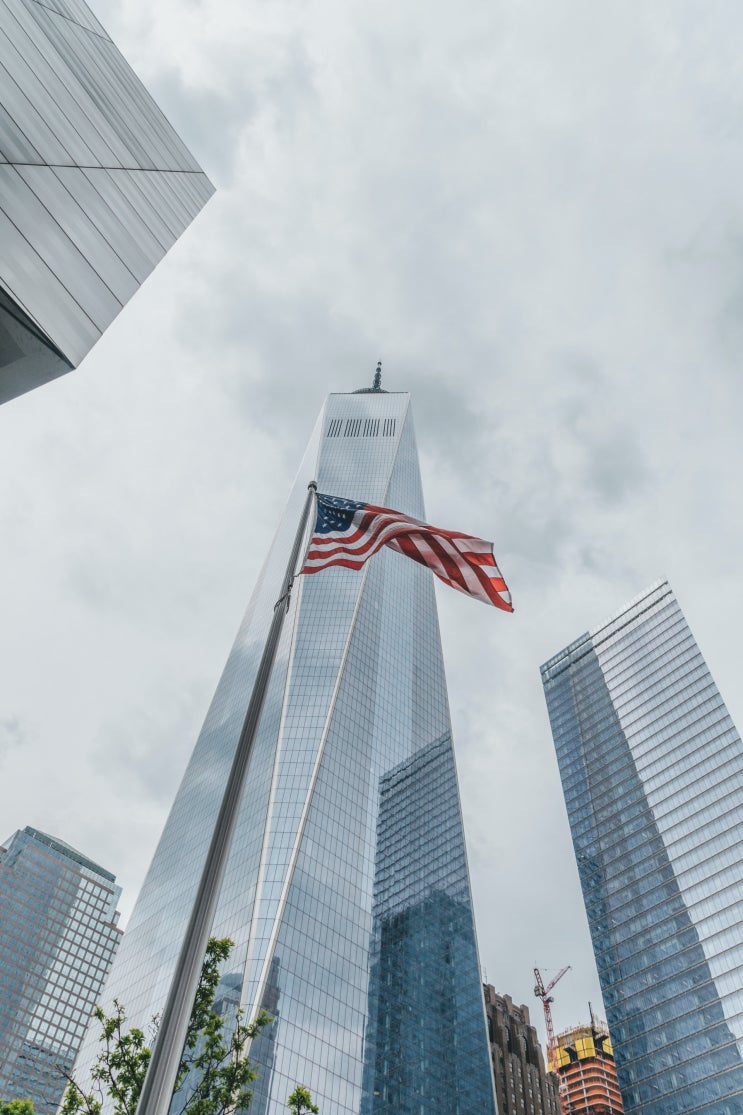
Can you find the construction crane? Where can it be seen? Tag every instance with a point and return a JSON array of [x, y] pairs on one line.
[[543, 993]]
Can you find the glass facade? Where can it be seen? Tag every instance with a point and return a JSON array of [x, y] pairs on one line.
[[346, 892], [58, 938], [652, 771], [95, 187]]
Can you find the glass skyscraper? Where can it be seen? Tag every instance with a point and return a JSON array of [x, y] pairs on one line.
[[347, 891], [95, 187], [652, 771], [58, 937]]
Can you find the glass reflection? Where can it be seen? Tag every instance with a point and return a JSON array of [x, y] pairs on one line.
[[423, 999], [344, 778], [646, 777]]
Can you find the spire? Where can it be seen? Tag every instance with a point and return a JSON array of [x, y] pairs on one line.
[[376, 385]]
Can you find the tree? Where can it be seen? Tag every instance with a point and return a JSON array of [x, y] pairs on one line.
[[219, 1067], [16, 1107], [300, 1101]]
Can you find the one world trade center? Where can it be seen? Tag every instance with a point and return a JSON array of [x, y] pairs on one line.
[[346, 892]]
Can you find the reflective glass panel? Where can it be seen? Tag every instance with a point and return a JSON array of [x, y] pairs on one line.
[[652, 771], [346, 892]]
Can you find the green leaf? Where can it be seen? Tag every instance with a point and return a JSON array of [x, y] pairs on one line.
[[214, 1052], [300, 1102], [16, 1107]]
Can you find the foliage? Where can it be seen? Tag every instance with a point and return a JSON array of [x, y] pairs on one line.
[[221, 1069], [16, 1107], [300, 1101], [224, 1071], [119, 1069]]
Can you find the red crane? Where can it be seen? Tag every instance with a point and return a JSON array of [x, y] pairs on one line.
[[543, 993]]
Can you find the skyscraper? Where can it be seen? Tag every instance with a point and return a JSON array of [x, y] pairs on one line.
[[346, 893], [95, 187], [652, 771], [522, 1084], [58, 937]]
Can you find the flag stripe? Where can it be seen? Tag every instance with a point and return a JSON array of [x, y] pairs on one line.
[[348, 533]]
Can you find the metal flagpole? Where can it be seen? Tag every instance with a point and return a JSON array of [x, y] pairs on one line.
[[159, 1083]]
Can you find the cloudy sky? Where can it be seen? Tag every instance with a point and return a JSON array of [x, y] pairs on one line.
[[533, 214]]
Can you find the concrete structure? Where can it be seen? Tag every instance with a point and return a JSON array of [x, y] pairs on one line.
[[346, 892], [522, 1084], [652, 771], [588, 1075], [95, 187], [58, 938]]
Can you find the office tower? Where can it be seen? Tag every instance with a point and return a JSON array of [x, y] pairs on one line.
[[652, 771], [58, 937], [95, 187], [346, 892], [522, 1084], [588, 1075]]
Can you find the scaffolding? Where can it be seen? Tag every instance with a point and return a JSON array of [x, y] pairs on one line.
[[584, 1060]]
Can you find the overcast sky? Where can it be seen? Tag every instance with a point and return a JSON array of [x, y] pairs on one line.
[[533, 214]]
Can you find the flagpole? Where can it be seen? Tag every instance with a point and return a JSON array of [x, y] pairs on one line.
[[159, 1083]]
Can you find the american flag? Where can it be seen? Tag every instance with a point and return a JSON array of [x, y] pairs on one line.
[[348, 533]]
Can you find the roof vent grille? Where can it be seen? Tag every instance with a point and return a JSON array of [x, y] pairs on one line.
[[361, 427]]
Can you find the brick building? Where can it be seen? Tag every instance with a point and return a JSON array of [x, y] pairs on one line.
[[522, 1084]]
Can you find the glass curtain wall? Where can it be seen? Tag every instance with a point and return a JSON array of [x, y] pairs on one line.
[[652, 772], [58, 937], [353, 765]]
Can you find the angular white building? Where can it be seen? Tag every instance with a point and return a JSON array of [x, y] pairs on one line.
[[95, 187]]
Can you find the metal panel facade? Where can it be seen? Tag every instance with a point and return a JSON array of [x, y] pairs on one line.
[[95, 187], [652, 771]]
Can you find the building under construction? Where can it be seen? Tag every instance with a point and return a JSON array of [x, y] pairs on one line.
[[584, 1060]]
